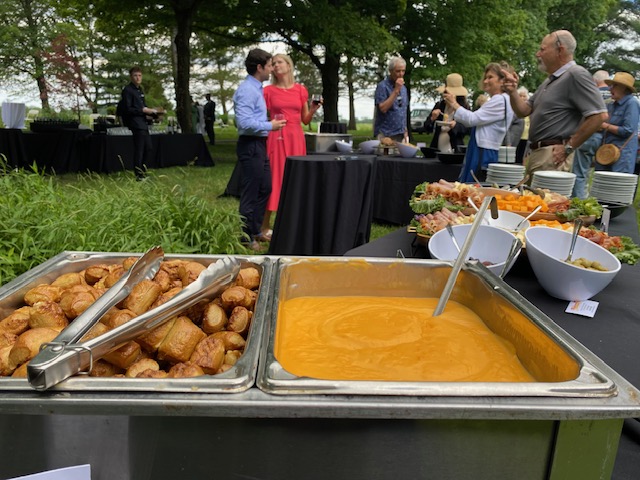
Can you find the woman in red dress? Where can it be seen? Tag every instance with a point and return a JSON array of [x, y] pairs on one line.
[[284, 96]]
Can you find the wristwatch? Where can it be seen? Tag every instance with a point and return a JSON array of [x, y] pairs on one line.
[[568, 149]]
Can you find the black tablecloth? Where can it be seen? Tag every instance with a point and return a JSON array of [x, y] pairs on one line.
[[396, 179], [325, 205], [333, 127], [59, 151], [234, 184], [613, 334], [75, 150], [12, 147], [110, 153]]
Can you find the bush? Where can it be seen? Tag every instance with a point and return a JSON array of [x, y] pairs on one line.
[[39, 218]]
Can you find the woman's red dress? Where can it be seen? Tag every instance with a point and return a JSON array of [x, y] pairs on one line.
[[288, 101]]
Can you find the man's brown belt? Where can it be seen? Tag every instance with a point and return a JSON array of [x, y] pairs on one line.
[[546, 143]]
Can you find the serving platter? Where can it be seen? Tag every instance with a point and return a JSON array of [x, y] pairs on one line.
[[586, 219]]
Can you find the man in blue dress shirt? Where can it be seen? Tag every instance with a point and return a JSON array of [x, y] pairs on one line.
[[253, 129]]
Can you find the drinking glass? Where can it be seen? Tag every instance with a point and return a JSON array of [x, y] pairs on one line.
[[279, 116], [316, 98]]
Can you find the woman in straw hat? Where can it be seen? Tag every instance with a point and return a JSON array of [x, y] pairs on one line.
[[447, 133], [489, 123], [621, 129]]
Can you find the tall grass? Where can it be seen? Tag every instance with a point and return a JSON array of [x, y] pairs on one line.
[[180, 208], [41, 216]]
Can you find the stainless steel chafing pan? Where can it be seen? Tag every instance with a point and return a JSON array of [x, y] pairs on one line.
[[237, 379], [545, 350], [59, 360]]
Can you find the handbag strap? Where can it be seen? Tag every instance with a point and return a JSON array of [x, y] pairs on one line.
[[604, 137], [506, 127]]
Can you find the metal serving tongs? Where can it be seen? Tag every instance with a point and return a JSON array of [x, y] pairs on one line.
[[79, 358], [145, 268], [464, 251]]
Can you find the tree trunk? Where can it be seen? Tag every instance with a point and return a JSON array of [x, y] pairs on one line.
[[352, 108], [330, 81], [42, 82], [407, 83], [183, 68], [44, 91]]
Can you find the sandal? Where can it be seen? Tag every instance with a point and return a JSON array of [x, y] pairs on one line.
[[264, 236]]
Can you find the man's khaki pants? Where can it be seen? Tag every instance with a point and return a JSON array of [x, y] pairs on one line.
[[542, 159]]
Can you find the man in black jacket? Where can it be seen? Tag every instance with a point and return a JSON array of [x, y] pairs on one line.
[[209, 118], [135, 112]]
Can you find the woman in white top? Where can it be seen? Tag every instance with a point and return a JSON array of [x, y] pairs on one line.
[[489, 123]]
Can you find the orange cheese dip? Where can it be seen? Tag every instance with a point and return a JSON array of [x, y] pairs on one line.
[[392, 339]]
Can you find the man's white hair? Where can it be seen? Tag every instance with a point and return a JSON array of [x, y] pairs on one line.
[[393, 61], [567, 40], [600, 76]]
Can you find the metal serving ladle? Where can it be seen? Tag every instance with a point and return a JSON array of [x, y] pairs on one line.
[[517, 228], [464, 251], [577, 224], [453, 237]]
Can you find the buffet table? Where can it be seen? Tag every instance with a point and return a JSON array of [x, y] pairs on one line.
[[108, 153], [59, 152], [613, 334], [79, 150], [157, 435], [325, 205], [12, 147], [396, 179]]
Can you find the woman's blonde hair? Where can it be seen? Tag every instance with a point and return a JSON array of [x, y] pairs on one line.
[[289, 78]]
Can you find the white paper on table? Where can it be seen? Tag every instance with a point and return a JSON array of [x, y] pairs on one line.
[[14, 114], [586, 308], [79, 472]]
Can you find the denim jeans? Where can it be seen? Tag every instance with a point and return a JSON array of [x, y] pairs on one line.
[[582, 163]]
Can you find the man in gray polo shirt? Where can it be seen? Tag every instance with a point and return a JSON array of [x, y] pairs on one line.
[[565, 109]]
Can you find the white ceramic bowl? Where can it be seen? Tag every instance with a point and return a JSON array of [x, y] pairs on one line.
[[369, 146], [547, 249], [491, 244], [344, 147], [407, 151], [507, 220]]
